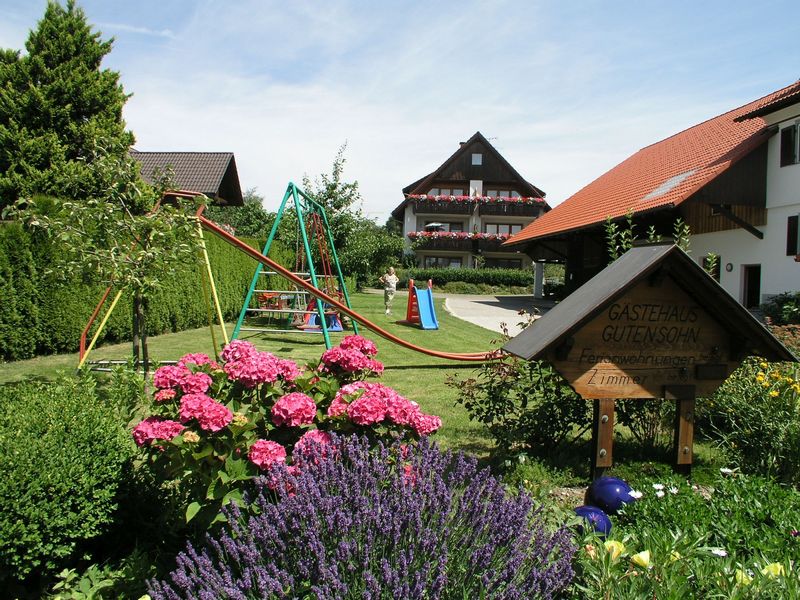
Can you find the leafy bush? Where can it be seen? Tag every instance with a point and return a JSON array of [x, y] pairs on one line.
[[783, 309], [440, 277], [755, 416], [216, 427], [398, 522], [525, 405], [63, 453], [789, 335], [732, 542], [650, 423]]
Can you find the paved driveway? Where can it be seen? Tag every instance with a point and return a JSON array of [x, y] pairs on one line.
[[490, 312]]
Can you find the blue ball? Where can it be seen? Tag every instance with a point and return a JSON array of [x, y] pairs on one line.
[[596, 518], [609, 493]]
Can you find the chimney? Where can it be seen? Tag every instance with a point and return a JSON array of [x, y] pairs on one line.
[[461, 144]]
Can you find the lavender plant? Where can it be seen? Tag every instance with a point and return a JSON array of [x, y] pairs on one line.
[[394, 522]]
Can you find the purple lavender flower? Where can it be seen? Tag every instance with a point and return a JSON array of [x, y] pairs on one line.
[[355, 524]]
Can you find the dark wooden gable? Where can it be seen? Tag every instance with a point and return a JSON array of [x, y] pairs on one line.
[[458, 169]]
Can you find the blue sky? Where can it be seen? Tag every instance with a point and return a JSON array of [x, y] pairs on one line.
[[564, 90]]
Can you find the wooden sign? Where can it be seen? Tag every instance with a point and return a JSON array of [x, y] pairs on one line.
[[651, 325], [653, 336]]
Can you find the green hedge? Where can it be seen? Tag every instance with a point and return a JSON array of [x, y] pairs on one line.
[[63, 452], [39, 314], [440, 277]]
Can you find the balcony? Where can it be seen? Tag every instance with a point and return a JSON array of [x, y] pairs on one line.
[[438, 207], [511, 209], [460, 241]]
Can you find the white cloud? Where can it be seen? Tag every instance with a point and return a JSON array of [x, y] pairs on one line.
[[165, 33]]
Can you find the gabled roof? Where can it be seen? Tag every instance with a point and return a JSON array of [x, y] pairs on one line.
[[422, 185], [212, 173], [775, 102], [586, 302], [662, 175]]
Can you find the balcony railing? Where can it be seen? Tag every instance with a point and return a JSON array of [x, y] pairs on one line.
[[458, 240], [443, 208], [508, 209], [489, 205]]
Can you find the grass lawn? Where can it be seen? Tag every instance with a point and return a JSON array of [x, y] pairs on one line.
[[417, 376]]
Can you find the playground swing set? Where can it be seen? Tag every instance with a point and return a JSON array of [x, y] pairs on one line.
[[315, 299]]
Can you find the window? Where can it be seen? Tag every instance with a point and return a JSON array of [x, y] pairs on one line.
[[433, 192], [503, 263], [440, 226], [790, 145], [477, 159], [443, 262], [792, 236], [502, 194], [502, 228], [446, 192]]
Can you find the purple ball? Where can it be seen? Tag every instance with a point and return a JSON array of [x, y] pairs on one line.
[[596, 518], [609, 493]]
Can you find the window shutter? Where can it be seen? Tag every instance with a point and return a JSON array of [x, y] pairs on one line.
[[792, 241], [788, 145]]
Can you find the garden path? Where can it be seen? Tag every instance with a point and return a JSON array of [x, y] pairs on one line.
[[490, 312]]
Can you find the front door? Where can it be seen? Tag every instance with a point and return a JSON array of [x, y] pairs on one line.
[[751, 292]]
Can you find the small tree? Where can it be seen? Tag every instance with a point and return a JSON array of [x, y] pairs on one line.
[[119, 238], [249, 220]]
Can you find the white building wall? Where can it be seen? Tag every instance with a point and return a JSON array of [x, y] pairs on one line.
[[737, 248]]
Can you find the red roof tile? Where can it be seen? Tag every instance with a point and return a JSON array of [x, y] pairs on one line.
[[661, 175]]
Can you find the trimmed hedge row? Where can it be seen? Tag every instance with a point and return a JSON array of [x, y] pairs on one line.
[[440, 277], [41, 315]]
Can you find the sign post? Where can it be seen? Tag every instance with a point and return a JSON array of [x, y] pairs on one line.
[[651, 326]]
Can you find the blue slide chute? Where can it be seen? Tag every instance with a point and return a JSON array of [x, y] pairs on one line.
[[427, 312]]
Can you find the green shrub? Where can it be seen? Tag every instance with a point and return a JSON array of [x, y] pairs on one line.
[[650, 422], [440, 277], [755, 416], [525, 405], [783, 309], [63, 453]]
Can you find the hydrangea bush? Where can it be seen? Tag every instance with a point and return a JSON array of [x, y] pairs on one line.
[[397, 521], [215, 426]]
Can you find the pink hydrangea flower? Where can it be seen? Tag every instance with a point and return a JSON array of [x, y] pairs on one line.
[[164, 395], [154, 428], [401, 411], [425, 424], [312, 445], [356, 342], [169, 376], [198, 359], [375, 366], [367, 409], [346, 359], [253, 370], [288, 369], [294, 409], [196, 383], [265, 453], [237, 350], [341, 401], [209, 414]]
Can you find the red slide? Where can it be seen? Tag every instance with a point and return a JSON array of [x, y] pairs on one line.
[[234, 241]]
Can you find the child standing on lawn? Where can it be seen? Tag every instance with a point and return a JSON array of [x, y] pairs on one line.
[[389, 281]]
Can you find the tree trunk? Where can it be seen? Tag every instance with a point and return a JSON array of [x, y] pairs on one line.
[[137, 309], [143, 334]]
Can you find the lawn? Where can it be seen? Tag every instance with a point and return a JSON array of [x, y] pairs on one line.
[[417, 376]]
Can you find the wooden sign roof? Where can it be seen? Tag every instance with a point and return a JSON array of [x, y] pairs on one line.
[[651, 320]]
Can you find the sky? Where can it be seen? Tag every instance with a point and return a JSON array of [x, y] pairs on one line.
[[564, 90]]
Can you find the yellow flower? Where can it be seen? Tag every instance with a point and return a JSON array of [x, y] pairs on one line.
[[614, 548], [240, 420], [773, 393], [776, 375], [674, 555], [765, 384], [743, 578], [763, 365], [190, 437], [642, 559], [773, 570]]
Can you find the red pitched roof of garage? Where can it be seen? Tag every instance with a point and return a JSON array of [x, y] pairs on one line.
[[662, 175]]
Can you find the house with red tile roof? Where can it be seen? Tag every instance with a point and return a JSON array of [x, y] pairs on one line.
[[458, 215], [734, 179]]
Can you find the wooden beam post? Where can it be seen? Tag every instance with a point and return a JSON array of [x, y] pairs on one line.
[[602, 436], [684, 396]]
